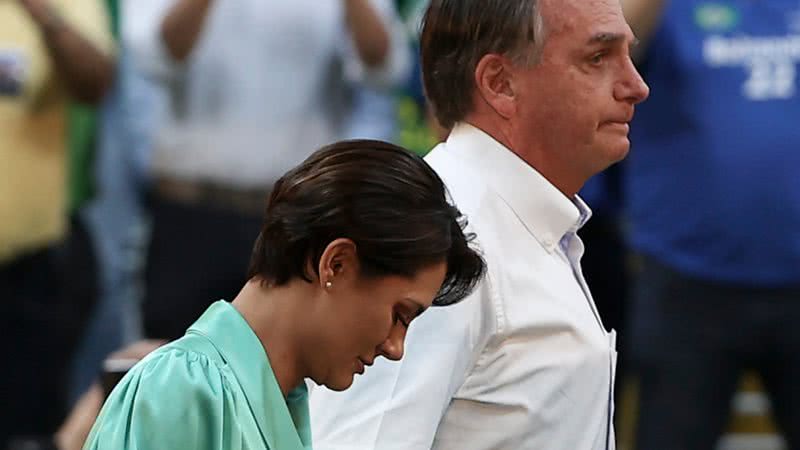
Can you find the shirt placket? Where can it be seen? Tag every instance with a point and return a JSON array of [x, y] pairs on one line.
[[573, 250]]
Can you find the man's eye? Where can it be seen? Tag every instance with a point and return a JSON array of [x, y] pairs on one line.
[[597, 58]]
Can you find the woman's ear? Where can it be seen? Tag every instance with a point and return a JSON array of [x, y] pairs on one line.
[[495, 85], [338, 264]]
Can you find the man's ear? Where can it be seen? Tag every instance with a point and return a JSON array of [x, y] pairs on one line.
[[338, 264], [494, 83]]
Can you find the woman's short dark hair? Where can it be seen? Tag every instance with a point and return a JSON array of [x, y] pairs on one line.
[[456, 34], [387, 200]]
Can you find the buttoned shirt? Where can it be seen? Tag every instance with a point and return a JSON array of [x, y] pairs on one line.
[[524, 362], [212, 389], [265, 85]]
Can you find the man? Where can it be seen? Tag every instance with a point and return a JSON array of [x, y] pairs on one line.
[[538, 96], [50, 51], [714, 205]]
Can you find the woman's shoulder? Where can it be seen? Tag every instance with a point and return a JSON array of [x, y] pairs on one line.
[[191, 355], [173, 392]]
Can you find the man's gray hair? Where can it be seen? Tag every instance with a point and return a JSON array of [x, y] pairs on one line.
[[456, 34]]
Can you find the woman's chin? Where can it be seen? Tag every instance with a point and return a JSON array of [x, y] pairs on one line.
[[340, 384]]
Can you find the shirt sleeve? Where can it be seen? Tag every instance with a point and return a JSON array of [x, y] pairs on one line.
[[398, 405], [174, 399], [90, 19], [141, 34], [396, 68]]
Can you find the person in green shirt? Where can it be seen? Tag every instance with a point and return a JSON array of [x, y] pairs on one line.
[[357, 241]]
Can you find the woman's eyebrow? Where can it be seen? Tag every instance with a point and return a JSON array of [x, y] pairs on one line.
[[420, 309]]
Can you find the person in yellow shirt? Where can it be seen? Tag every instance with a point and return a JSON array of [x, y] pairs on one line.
[[51, 51]]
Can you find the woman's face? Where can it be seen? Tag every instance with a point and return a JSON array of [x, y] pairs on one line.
[[367, 318]]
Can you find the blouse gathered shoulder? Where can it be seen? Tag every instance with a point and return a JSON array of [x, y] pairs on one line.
[[211, 389]]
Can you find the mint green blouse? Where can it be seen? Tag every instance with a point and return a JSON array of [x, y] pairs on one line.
[[211, 389]]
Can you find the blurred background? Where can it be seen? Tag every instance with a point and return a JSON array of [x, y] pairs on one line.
[[139, 140]]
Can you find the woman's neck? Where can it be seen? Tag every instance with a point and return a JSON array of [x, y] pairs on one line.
[[272, 313]]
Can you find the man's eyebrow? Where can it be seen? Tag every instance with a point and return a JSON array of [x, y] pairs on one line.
[[611, 38], [606, 38]]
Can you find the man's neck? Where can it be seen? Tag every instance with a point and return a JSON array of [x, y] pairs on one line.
[[539, 158]]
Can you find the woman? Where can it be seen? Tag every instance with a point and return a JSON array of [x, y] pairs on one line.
[[358, 240]]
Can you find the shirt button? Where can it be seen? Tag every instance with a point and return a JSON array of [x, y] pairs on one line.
[[547, 240]]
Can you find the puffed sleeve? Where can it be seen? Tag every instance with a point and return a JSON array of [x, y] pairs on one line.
[[175, 398]]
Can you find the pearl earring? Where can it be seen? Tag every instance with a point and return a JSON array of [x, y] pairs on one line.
[[328, 285]]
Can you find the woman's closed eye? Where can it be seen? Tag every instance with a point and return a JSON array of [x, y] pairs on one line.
[[403, 320]]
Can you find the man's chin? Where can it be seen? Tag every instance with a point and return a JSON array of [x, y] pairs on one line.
[[619, 151], [613, 155]]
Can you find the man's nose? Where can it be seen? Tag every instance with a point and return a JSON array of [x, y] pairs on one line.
[[631, 87]]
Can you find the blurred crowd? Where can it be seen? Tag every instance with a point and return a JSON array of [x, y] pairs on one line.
[[139, 140]]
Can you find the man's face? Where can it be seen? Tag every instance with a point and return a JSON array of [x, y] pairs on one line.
[[576, 103]]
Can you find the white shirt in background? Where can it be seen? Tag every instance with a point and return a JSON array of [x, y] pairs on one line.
[[262, 89]]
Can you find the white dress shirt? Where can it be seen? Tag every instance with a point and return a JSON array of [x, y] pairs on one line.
[[265, 85], [523, 363]]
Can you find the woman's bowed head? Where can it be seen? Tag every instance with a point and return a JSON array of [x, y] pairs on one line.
[[357, 241]]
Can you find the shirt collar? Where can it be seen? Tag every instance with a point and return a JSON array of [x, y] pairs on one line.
[[543, 209], [284, 423]]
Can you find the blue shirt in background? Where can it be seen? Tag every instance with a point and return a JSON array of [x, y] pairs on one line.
[[713, 188]]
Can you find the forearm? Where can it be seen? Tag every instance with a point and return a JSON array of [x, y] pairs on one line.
[[368, 31], [182, 26], [86, 71], [73, 433]]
